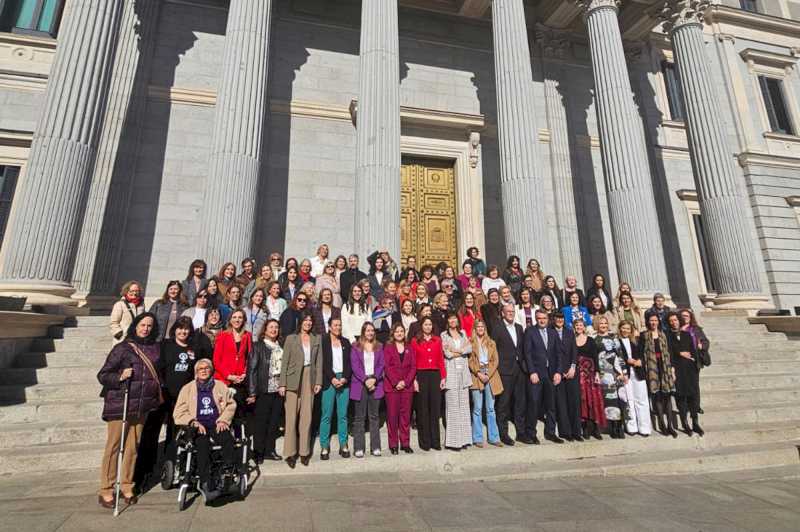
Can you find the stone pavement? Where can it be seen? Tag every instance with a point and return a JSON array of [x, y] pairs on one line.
[[757, 500]]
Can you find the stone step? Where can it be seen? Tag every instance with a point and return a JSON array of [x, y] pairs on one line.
[[80, 332], [67, 375], [52, 411], [767, 413], [28, 434], [88, 321], [751, 398], [67, 455], [745, 382], [752, 367], [82, 344], [11, 394], [60, 359]]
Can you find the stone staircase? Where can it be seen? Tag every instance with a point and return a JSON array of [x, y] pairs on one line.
[[50, 416]]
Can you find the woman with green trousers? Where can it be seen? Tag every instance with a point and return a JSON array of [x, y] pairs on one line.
[[336, 375]]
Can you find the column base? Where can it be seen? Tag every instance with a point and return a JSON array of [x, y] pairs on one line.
[[645, 299], [94, 302], [40, 294], [749, 303]]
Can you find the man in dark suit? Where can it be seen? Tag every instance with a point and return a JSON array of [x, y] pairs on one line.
[[509, 338], [543, 358], [568, 393], [352, 275]]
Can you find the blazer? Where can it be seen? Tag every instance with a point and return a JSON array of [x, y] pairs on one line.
[[569, 350], [636, 354], [347, 279], [566, 293], [162, 310], [122, 315], [495, 382], [258, 368], [327, 361], [293, 362], [396, 370], [189, 290], [571, 315], [544, 361], [254, 322], [227, 360], [592, 291], [289, 321], [359, 373], [638, 319], [511, 357], [319, 319], [186, 406]]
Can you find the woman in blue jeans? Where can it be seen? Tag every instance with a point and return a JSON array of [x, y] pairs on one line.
[[336, 375], [486, 384]]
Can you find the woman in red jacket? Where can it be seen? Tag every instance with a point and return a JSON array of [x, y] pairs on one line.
[[400, 368], [231, 350], [429, 383]]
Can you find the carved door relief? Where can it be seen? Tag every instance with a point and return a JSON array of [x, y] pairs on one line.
[[428, 212]]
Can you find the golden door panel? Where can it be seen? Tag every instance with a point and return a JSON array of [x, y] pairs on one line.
[[428, 217]]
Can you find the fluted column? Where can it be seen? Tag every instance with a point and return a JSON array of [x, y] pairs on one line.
[[228, 219], [554, 47], [629, 187], [377, 212], [521, 176], [101, 239], [734, 255], [39, 249]]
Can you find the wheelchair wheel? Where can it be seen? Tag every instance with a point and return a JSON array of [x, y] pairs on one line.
[[182, 492], [167, 475], [243, 485]]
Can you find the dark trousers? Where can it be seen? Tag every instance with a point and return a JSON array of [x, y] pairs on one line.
[[203, 443], [514, 396], [265, 422], [570, 396], [541, 402], [147, 453], [366, 408], [429, 409]]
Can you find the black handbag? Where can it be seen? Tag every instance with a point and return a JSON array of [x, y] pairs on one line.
[[705, 358]]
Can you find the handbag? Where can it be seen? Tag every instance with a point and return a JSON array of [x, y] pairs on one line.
[[150, 368], [705, 357]]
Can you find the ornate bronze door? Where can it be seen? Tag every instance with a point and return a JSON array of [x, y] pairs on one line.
[[428, 211]]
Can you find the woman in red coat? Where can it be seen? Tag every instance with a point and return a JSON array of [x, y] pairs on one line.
[[400, 369], [231, 350], [429, 383]]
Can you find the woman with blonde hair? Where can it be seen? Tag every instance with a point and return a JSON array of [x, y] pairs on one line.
[[486, 384], [226, 278], [327, 279], [124, 311], [534, 269]]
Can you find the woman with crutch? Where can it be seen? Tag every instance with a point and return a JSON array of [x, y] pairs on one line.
[[131, 389]]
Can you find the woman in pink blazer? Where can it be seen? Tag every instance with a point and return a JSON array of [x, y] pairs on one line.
[[400, 370]]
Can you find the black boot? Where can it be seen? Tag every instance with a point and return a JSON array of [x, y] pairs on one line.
[[586, 432], [671, 424], [596, 431], [696, 428], [682, 414]]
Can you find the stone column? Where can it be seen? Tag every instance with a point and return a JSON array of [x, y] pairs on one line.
[[377, 190], [228, 220], [101, 239], [521, 176], [631, 202], [555, 47], [40, 245], [734, 255]]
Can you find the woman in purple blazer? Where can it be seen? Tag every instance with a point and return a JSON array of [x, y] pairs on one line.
[[366, 389], [398, 383]]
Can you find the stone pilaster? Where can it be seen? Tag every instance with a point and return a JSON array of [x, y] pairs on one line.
[[734, 256], [555, 46], [521, 177], [631, 202], [228, 219], [101, 239], [377, 190], [41, 242]]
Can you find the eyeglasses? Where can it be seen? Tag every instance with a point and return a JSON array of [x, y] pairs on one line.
[[302, 300], [202, 296]]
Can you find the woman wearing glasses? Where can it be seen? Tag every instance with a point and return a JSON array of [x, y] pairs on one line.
[[290, 318], [197, 312], [124, 311]]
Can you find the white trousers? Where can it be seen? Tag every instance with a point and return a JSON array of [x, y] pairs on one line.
[[635, 393]]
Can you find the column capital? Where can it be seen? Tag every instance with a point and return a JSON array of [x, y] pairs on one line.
[[553, 43], [679, 13], [589, 6]]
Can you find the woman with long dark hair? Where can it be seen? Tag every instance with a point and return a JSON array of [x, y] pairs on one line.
[[486, 384], [687, 365], [600, 290], [255, 313], [195, 279], [660, 374], [168, 308], [468, 314], [525, 312], [290, 284], [324, 311], [430, 382], [226, 277], [131, 364], [366, 361], [593, 415], [354, 313], [513, 274], [638, 415], [263, 374], [398, 384], [457, 348], [336, 376], [197, 312], [300, 381]]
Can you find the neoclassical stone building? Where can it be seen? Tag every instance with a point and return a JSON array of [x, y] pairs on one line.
[[657, 142]]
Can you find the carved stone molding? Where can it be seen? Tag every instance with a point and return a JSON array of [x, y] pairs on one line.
[[474, 149], [553, 43], [678, 13], [591, 5]]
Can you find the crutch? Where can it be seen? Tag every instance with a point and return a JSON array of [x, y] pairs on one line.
[[121, 446]]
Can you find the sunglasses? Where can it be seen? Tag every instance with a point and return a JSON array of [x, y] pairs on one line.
[[202, 296], [302, 300]]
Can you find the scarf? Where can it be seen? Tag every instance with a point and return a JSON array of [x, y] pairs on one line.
[[207, 386], [135, 301], [659, 370]]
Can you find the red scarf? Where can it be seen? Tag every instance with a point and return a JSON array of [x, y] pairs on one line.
[[135, 301]]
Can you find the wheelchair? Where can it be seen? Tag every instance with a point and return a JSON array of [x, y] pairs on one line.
[[181, 469]]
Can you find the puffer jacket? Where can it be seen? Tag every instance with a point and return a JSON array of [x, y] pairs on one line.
[[143, 395]]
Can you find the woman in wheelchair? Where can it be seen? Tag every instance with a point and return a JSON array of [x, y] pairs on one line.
[[205, 406]]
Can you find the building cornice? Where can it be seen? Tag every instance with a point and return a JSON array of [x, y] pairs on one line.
[[749, 20], [766, 159]]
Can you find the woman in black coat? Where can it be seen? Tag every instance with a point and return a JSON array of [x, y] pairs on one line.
[[686, 362], [263, 372], [336, 376], [600, 290], [131, 364]]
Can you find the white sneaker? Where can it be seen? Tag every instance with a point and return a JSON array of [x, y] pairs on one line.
[[359, 454], [376, 452]]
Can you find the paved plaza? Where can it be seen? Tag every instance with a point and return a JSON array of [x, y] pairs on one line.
[[757, 500]]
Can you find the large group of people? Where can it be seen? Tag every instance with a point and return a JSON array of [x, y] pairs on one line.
[[312, 346]]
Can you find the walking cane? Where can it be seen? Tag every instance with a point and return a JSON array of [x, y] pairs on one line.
[[121, 447]]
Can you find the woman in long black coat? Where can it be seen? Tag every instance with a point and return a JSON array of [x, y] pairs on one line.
[[686, 362]]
